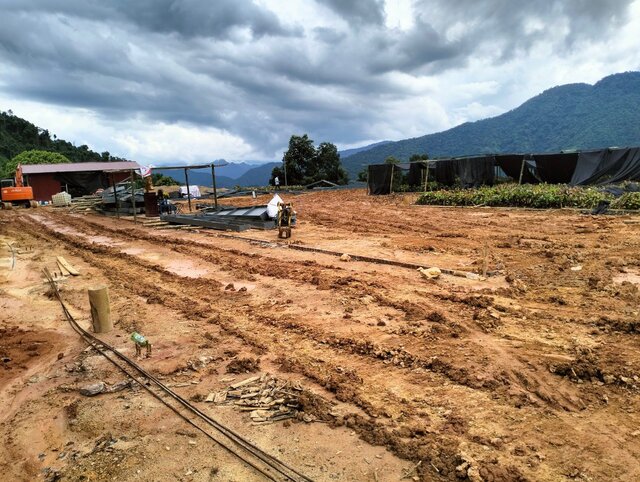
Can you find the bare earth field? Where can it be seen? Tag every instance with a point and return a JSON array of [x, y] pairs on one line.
[[530, 374]]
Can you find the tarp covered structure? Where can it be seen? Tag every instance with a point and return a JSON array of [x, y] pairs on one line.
[[607, 166], [604, 166]]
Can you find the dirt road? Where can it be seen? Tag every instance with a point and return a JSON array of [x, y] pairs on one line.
[[529, 374]]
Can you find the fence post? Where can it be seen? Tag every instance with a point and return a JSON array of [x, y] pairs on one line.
[[100, 310], [521, 171]]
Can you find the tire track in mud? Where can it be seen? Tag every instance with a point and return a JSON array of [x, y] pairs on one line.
[[308, 272], [529, 387], [508, 384], [202, 290]]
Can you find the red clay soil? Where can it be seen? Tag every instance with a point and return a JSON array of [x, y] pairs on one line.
[[528, 370]]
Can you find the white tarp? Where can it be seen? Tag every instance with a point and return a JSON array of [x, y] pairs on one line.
[[272, 207], [194, 190]]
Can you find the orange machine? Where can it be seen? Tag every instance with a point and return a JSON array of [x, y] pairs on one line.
[[15, 194]]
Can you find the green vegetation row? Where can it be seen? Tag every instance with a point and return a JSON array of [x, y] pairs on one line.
[[530, 196]]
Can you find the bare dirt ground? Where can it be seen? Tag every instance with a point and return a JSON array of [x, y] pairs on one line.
[[531, 374]]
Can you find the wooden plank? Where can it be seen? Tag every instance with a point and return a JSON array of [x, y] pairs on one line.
[[68, 266], [63, 270], [245, 382]]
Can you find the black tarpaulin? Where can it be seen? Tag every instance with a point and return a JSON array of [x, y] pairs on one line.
[[445, 172], [82, 183], [556, 168], [591, 166], [379, 181], [627, 162], [415, 173], [607, 166], [511, 164], [475, 171]]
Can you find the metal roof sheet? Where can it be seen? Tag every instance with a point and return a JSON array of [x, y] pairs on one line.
[[79, 167]]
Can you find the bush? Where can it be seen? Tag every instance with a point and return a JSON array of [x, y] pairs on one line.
[[530, 196], [629, 200]]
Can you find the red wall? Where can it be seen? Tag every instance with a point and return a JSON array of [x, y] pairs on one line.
[[44, 185]]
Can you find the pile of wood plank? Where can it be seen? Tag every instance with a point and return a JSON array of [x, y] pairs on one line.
[[85, 203], [266, 398]]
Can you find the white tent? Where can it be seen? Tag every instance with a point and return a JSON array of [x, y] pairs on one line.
[[193, 190]]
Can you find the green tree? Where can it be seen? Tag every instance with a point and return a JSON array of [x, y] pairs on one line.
[[306, 164], [162, 180], [297, 159], [418, 157], [391, 160], [326, 165], [32, 157]]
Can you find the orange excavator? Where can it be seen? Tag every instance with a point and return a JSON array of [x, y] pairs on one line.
[[15, 193]]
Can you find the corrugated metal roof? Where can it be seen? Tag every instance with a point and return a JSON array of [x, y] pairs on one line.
[[78, 167]]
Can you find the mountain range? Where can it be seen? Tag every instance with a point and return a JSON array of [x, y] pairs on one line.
[[567, 117]]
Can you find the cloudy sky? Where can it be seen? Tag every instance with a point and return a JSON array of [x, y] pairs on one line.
[[168, 81]]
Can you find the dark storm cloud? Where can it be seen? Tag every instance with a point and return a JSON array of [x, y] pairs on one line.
[[188, 18], [361, 11], [238, 66], [512, 26]]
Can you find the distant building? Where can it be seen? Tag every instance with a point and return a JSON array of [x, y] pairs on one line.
[[77, 178]]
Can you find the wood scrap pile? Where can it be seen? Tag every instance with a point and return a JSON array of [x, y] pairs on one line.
[[266, 398], [85, 203], [63, 269]]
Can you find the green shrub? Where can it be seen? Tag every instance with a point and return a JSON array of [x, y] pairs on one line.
[[529, 195], [629, 200]]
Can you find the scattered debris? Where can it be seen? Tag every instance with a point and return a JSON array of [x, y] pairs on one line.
[[430, 273], [266, 398], [101, 387], [243, 365]]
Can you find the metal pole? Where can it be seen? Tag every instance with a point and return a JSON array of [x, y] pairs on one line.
[[391, 181], [133, 197], [115, 195], [215, 192], [186, 178]]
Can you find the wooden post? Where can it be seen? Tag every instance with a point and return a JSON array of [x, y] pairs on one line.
[[521, 171], [133, 196], [100, 310], [115, 195], [391, 181], [284, 162], [186, 179], [426, 178], [215, 192], [368, 188]]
